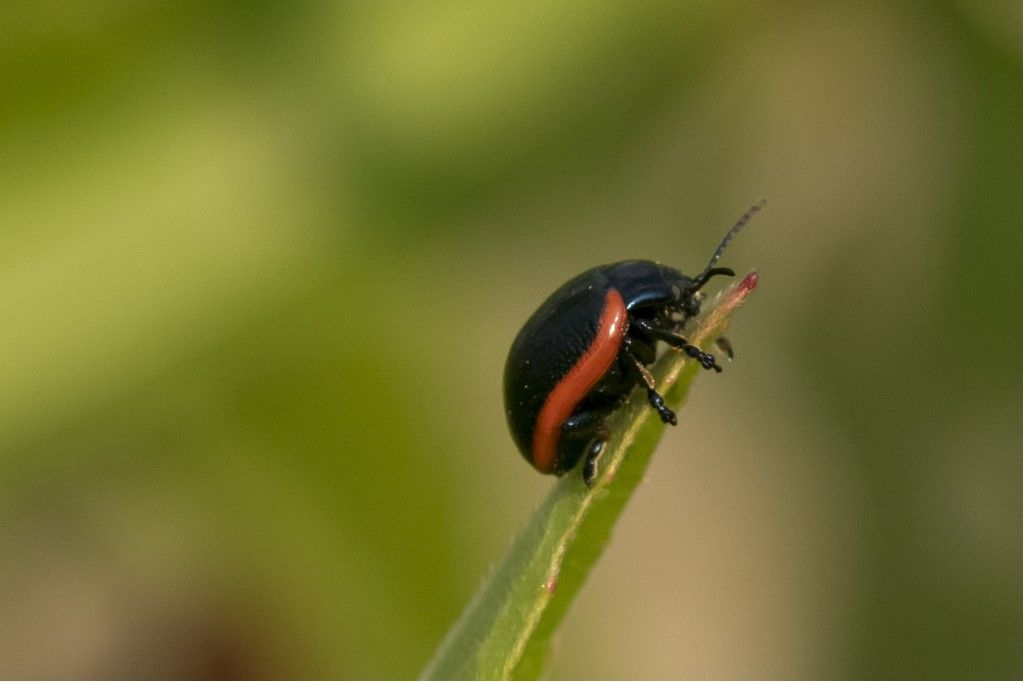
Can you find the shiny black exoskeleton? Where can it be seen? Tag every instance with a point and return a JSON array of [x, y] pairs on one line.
[[581, 353]]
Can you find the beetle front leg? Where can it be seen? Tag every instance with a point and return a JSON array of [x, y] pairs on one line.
[[723, 344], [706, 360]]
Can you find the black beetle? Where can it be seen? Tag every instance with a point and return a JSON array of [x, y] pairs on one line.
[[578, 357]]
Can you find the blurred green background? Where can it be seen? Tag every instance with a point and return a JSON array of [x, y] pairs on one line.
[[261, 264]]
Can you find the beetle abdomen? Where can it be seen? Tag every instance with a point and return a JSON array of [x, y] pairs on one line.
[[577, 382], [562, 352]]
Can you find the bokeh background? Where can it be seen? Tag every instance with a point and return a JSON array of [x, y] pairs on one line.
[[261, 264]]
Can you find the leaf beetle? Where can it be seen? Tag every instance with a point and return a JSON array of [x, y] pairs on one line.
[[580, 354]]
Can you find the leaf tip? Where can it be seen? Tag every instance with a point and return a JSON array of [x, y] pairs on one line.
[[749, 283]]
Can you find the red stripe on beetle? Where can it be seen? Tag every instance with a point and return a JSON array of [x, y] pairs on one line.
[[574, 386]]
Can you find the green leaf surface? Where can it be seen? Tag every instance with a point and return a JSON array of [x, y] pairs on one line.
[[505, 632]]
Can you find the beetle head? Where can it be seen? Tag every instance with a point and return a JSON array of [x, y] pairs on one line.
[[687, 291]]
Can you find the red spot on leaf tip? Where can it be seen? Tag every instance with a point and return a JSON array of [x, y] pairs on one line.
[[750, 281], [551, 585]]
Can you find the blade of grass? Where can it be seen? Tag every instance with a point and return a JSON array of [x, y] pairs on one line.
[[505, 632]]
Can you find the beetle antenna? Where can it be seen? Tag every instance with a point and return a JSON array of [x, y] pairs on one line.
[[735, 230]]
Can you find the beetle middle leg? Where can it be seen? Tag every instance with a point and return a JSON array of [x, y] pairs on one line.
[[653, 397]]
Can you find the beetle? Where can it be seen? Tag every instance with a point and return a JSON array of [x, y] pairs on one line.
[[589, 344]]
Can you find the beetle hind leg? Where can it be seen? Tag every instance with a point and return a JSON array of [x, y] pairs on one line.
[[594, 450], [591, 428]]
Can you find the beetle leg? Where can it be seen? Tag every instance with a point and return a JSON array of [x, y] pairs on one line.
[[725, 346], [592, 426], [594, 450], [585, 425], [640, 349], [706, 360], [657, 402]]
